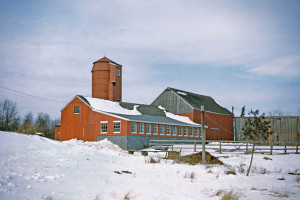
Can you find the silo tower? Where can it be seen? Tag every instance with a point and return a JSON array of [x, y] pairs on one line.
[[107, 80]]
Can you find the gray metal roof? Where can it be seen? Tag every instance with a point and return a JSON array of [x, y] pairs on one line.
[[144, 109], [196, 100], [155, 119]]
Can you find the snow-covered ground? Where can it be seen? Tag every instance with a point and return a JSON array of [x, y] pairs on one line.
[[34, 167]]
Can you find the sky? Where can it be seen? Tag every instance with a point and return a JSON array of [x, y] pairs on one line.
[[241, 53]]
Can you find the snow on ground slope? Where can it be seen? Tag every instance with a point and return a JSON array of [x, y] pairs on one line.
[[33, 167]]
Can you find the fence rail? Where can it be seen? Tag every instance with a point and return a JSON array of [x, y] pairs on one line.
[[226, 146]]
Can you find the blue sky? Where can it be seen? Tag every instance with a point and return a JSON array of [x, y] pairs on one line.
[[238, 52]]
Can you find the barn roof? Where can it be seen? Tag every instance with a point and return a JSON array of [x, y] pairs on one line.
[[196, 100], [137, 112], [105, 59]]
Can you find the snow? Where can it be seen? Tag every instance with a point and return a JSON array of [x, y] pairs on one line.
[[182, 93], [111, 106], [178, 117], [34, 167]]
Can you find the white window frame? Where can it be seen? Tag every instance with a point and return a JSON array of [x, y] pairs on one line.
[[161, 129], [168, 130], [180, 131], [185, 131], [103, 122], [197, 132], [148, 129], [155, 129], [118, 72], [133, 124], [119, 127], [143, 131], [191, 131], [174, 131]]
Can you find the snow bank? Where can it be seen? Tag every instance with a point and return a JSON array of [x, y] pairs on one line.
[[178, 117], [110, 106], [102, 144]]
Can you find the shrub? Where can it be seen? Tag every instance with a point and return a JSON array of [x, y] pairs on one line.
[[298, 179], [230, 170]]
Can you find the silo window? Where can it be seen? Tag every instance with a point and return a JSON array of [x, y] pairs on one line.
[[76, 109], [118, 73]]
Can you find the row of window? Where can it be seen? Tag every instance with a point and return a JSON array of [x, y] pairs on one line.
[[164, 130], [117, 127]]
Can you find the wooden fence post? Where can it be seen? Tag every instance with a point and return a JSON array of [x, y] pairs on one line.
[[195, 146], [271, 151], [297, 149], [284, 148], [246, 147], [203, 134], [220, 147]]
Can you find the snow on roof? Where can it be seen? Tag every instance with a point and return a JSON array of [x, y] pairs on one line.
[[178, 117], [110, 106]]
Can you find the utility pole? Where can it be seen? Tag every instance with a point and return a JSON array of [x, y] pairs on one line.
[[203, 134]]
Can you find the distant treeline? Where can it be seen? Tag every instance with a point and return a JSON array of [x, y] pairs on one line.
[[10, 120]]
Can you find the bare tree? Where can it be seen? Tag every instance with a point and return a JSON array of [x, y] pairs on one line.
[[9, 118], [243, 112], [42, 123], [255, 129], [28, 125], [276, 112]]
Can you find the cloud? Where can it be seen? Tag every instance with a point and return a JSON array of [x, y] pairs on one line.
[[288, 66]]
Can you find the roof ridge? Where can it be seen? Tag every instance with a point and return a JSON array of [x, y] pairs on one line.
[[188, 92]]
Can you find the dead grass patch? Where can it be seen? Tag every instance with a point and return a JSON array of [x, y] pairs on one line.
[[231, 195], [195, 158], [298, 179]]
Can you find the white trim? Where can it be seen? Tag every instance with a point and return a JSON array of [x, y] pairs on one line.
[[114, 127], [135, 128], [155, 133], [142, 133], [103, 122], [147, 133]]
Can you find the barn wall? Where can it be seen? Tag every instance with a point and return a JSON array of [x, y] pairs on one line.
[[86, 125], [220, 127], [172, 103], [286, 128]]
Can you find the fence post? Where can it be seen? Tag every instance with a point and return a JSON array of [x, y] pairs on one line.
[[284, 147], [172, 146], [271, 151], [220, 147], [195, 146], [203, 134], [246, 147], [297, 149]]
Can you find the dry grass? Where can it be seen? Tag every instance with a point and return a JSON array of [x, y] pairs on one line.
[[195, 158], [98, 197], [231, 195], [229, 170], [284, 195], [298, 179], [127, 196]]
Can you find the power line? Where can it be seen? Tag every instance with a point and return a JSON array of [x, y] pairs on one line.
[[28, 96]]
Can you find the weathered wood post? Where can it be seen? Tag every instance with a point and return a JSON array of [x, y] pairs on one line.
[[203, 134], [195, 146], [220, 147], [297, 149], [285, 148], [271, 150]]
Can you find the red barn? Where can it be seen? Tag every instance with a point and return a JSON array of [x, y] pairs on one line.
[[130, 125]]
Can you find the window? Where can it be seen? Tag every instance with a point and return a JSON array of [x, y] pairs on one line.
[[118, 73], [117, 127], [155, 129], [133, 127], [103, 127], [162, 129], [174, 131], [76, 109], [141, 128], [168, 131], [191, 132], [196, 132], [179, 131], [186, 131], [148, 129]]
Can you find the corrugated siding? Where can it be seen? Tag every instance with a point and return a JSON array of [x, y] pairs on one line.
[[172, 103], [285, 128]]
